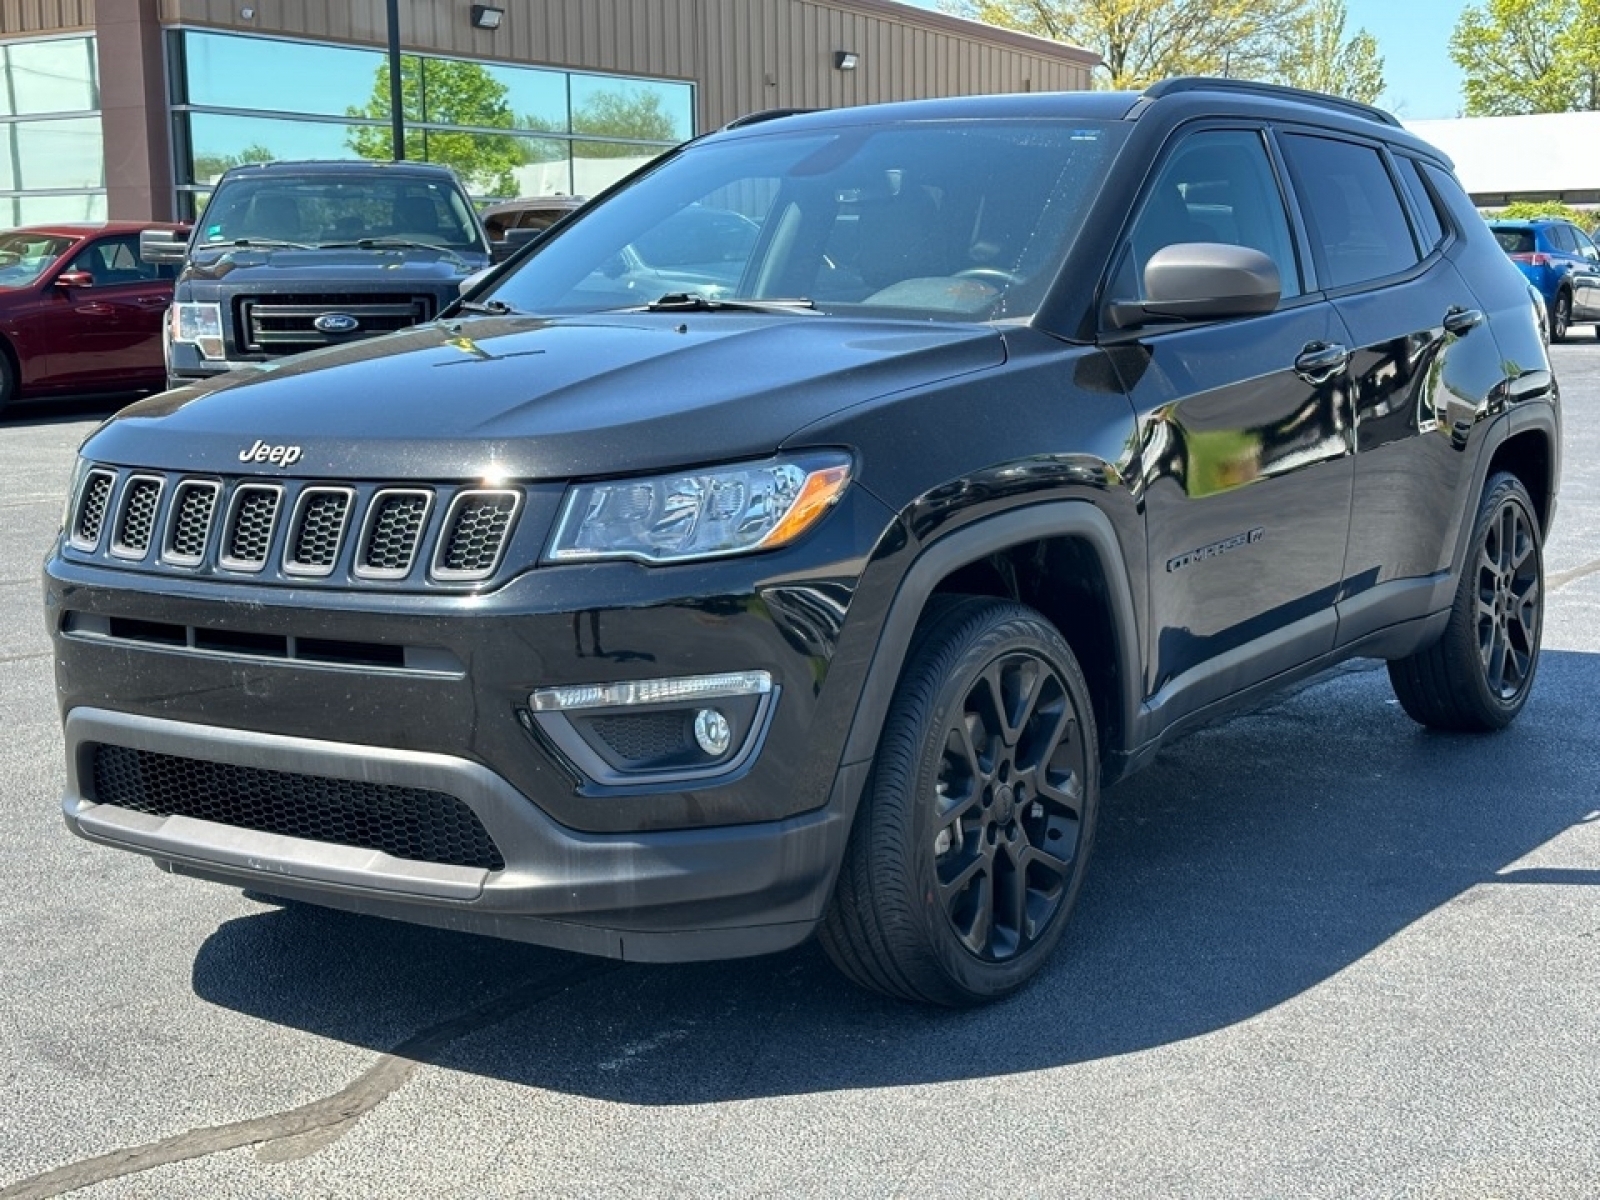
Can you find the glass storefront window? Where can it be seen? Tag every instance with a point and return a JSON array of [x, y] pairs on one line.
[[453, 108], [263, 74], [218, 142], [56, 76], [597, 165], [636, 109], [54, 154]]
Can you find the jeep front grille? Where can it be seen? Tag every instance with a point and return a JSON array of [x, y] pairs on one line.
[[394, 527], [189, 527], [289, 531], [93, 500], [247, 538], [136, 516], [404, 822], [475, 534], [317, 530]]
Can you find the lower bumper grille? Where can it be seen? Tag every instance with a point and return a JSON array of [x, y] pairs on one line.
[[408, 823]]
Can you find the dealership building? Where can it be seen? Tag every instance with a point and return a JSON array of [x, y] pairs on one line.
[[130, 109]]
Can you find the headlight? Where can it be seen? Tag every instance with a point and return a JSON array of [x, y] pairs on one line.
[[699, 514], [198, 325], [74, 482]]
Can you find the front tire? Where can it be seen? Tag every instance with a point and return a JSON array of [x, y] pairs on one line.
[[8, 381], [1477, 676], [970, 846]]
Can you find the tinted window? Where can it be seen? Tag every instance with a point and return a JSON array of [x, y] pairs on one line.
[[114, 260], [1217, 187], [1354, 216], [1560, 238], [1422, 201], [1585, 246], [1515, 241], [961, 220]]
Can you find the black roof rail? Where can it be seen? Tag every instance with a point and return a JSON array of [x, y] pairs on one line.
[[1207, 83], [768, 114]]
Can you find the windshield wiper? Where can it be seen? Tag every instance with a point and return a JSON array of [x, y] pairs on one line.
[[264, 244], [495, 308], [393, 243], [695, 302]]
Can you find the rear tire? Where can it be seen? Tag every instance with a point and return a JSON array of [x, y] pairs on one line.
[[1561, 317], [1477, 676], [970, 845], [8, 380]]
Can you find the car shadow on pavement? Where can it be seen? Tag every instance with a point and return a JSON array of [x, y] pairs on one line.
[[1253, 861]]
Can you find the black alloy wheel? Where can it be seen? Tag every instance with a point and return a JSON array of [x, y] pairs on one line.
[[971, 843], [1477, 676], [1561, 317]]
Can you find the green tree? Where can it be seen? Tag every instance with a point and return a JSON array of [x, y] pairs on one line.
[[634, 115], [1529, 56], [446, 92], [208, 168], [1141, 41], [1527, 210], [1317, 55]]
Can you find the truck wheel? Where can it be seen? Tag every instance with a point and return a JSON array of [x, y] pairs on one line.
[[1561, 317], [1476, 677], [971, 841]]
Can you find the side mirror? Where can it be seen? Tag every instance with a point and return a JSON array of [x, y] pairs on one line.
[[75, 279], [514, 240], [1196, 281], [162, 246]]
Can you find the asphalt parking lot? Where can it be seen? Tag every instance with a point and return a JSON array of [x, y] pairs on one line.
[[1320, 953]]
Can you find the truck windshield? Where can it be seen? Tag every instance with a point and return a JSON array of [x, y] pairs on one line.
[[958, 220], [337, 210]]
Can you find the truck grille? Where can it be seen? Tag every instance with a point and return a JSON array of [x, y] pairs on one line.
[[350, 534], [404, 822], [287, 324]]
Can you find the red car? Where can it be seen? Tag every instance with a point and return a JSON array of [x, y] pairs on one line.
[[79, 310]]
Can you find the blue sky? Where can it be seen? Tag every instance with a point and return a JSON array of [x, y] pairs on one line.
[[1413, 37]]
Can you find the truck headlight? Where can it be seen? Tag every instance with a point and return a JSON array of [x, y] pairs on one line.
[[198, 325], [709, 513]]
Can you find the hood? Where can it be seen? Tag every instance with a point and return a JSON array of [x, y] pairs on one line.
[[532, 398], [330, 270]]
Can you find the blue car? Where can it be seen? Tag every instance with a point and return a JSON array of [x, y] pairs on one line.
[[1561, 262]]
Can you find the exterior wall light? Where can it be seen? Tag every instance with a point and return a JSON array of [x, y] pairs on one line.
[[487, 16], [845, 60]]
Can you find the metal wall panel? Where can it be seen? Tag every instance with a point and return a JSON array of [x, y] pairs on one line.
[[746, 55], [22, 17]]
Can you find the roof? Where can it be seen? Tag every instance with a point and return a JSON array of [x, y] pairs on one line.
[[342, 166], [89, 228]]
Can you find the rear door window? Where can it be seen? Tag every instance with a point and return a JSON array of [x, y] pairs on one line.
[[1354, 216]]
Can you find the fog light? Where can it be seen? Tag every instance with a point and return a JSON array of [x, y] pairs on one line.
[[712, 732]]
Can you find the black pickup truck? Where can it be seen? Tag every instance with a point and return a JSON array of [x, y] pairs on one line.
[[797, 539], [295, 256]]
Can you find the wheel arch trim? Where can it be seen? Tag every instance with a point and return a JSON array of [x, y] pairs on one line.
[[1052, 520]]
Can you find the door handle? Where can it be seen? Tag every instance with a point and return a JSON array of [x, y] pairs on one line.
[[1321, 361], [1459, 320]]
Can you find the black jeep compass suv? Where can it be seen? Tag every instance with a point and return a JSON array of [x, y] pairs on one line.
[[801, 537]]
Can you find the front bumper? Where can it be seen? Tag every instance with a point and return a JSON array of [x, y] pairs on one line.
[[664, 896]]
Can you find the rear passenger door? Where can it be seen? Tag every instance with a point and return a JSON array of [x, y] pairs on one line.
[[1423, 365]]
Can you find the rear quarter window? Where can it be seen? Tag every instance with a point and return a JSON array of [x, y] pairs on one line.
[[1431, 222]]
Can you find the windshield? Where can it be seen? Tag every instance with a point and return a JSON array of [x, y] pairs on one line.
[[26, 256], [338, 210], [957, 220]]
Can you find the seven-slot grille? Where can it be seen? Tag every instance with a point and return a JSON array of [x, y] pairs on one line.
[[308, 531]]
